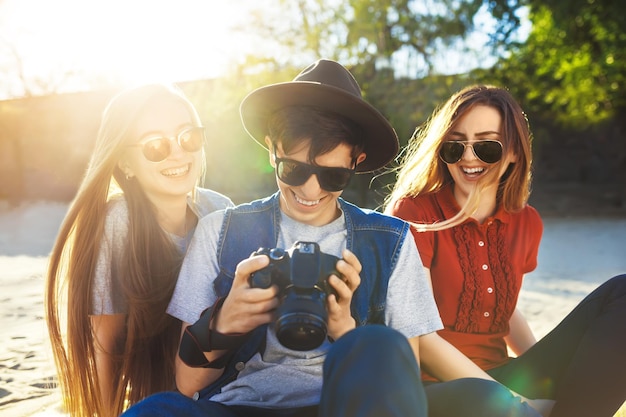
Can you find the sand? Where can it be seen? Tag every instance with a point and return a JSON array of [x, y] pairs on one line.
[[576, 255]]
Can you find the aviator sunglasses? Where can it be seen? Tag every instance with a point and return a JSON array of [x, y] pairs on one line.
[[157, 149], [488, 151], [296, 173]]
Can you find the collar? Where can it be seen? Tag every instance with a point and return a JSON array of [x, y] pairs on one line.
[[450, 207]]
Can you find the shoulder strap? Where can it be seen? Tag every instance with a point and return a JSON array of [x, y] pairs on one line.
[[255, 343]]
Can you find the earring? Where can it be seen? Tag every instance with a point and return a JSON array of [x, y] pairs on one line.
[[128, 177]]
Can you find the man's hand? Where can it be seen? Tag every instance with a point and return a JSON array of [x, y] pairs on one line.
[[247, 308], [340, 320]]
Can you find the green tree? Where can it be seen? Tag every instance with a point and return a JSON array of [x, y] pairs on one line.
[[572, 68], [373, 38], [380, 34]]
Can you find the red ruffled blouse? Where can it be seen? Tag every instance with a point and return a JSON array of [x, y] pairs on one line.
[[476, 270]]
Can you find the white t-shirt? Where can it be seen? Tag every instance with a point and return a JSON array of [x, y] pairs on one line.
[[284, 378], [106, 293]]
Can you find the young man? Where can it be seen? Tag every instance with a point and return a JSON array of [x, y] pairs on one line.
[[253, 351]]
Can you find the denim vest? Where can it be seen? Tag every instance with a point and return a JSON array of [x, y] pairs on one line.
[[374, 238]]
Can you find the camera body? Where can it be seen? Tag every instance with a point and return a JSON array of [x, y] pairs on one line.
[[301, 274]]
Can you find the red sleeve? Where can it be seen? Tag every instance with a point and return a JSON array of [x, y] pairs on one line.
[[534, 227], [411, 210]]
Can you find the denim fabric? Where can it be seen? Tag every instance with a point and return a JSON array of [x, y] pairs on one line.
[[369, 372], [581, 363], [374, 238], [474, 397]]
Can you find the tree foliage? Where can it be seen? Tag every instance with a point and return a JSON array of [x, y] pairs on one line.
[[373, 38], [572, 68], [379, 33], [568, 74]]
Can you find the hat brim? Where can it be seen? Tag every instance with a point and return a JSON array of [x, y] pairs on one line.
[[380, 139]]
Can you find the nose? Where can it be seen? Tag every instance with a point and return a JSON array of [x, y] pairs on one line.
[[311, 188], [175, 148], [468, 152]]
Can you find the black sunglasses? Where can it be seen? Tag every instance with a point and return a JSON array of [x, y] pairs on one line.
[[296, 173], [488, 151], [157, 149]]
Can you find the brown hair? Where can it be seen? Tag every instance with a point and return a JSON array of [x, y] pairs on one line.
[[149, 267], [422, 171]]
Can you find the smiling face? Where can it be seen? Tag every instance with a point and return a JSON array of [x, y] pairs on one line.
[[309, 203], [480, 123], [177, 174]]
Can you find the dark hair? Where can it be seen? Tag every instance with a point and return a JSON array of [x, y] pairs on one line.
[[324, 130]]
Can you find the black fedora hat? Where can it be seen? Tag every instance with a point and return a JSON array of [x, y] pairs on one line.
[[327, 85]]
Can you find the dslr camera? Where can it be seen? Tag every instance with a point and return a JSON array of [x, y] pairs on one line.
[[301, 274]]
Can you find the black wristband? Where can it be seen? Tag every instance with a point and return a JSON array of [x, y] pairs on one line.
[[220, 362], [199, 338]]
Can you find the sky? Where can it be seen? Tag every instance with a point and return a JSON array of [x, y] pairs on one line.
[[132, 41], [77, 44]]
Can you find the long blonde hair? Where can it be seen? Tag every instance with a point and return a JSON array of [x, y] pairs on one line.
[[421, 171], [149, 267]]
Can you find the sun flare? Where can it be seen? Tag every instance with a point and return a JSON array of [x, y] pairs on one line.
[[124, 41]]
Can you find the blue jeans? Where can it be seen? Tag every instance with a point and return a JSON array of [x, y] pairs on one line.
[[473, 397], [370, 371], [581, 364]]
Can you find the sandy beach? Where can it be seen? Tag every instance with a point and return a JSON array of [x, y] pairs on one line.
[[576, 255], [27, 374]]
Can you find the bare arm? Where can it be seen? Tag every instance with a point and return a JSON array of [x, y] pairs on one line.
[[520, 337], [190, 380], [109, 335], [247, 308], [445, 362]]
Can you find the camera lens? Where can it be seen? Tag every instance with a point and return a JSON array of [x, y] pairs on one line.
[[301, 323], [300, 331]]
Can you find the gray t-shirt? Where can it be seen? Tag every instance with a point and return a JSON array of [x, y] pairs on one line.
[[106, 293], [282, 378]]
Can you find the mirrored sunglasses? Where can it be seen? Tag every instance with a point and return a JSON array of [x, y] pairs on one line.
[[157, 149], [296, 173], [488, 151]]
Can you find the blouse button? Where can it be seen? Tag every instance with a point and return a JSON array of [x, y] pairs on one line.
[[486, 314], [240, 366], [485, 267], [489, 290], [196, 396], [481, 243]]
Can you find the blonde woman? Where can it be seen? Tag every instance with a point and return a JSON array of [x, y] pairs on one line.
[[116, 258], [463, 183]]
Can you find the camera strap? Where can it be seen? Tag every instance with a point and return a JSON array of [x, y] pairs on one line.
[[236, 363], [199, 338]]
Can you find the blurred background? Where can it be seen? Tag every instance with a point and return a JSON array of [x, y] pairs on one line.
[[62, 60]]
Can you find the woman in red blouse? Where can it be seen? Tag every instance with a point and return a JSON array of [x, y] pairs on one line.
[[464, 183]]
